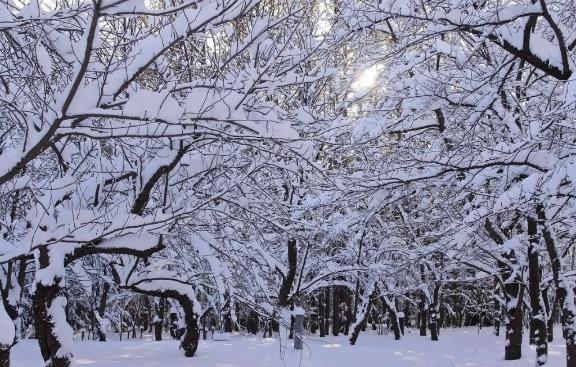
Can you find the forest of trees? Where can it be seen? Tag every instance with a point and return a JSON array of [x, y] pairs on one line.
[[229, 161]]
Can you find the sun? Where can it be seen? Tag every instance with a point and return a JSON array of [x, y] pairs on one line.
[[367, 78]]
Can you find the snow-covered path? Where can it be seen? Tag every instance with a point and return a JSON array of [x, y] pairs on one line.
[[457, 348]]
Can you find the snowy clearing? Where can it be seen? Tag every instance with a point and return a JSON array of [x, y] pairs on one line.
[[456, 348]]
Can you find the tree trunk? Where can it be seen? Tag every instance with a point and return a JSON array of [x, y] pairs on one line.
[[335, 310], [515, 293], [423, 317], [288, 280], [357, 288], [321, 322], [158, 330], [362, 316], [191, 337], [50, 323], [549, 321], [407, 314], [433, 325], [326, 311], [441, 318], [391, 309], [564, 288], [101, 310], [538, 334], [356, 299], [159, 320], [150, 317], [52, 330], [348, 311], [5, 355], [434, 312]]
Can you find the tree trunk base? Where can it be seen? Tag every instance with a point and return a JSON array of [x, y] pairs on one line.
[[433, 332], [4, 356], [191, 337], [513, 352], [190, 343], [158, 331], [59, 362], [570, 355]]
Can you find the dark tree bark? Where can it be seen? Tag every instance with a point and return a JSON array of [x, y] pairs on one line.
[[159, 321], [102, 310], [356, 300], [150, 317], [191, 337], [364, 310], [565, 293], [434, 312], [326, 311], [288, 280], [551, 310], [253, 322], [538, 333], [348, 311], [391, 309], [357, 288], [228, 321], [422, 315], [5, 356], [406, 314], [205, 329], [48, 307], [321, 321], [44, 326], [441, 318], [514, 294], [335, 310]]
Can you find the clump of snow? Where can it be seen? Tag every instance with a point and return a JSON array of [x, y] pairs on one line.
[[7, 329], [297, 311], [62, 329]]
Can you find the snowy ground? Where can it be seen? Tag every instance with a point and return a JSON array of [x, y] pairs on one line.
[[457, 348]]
